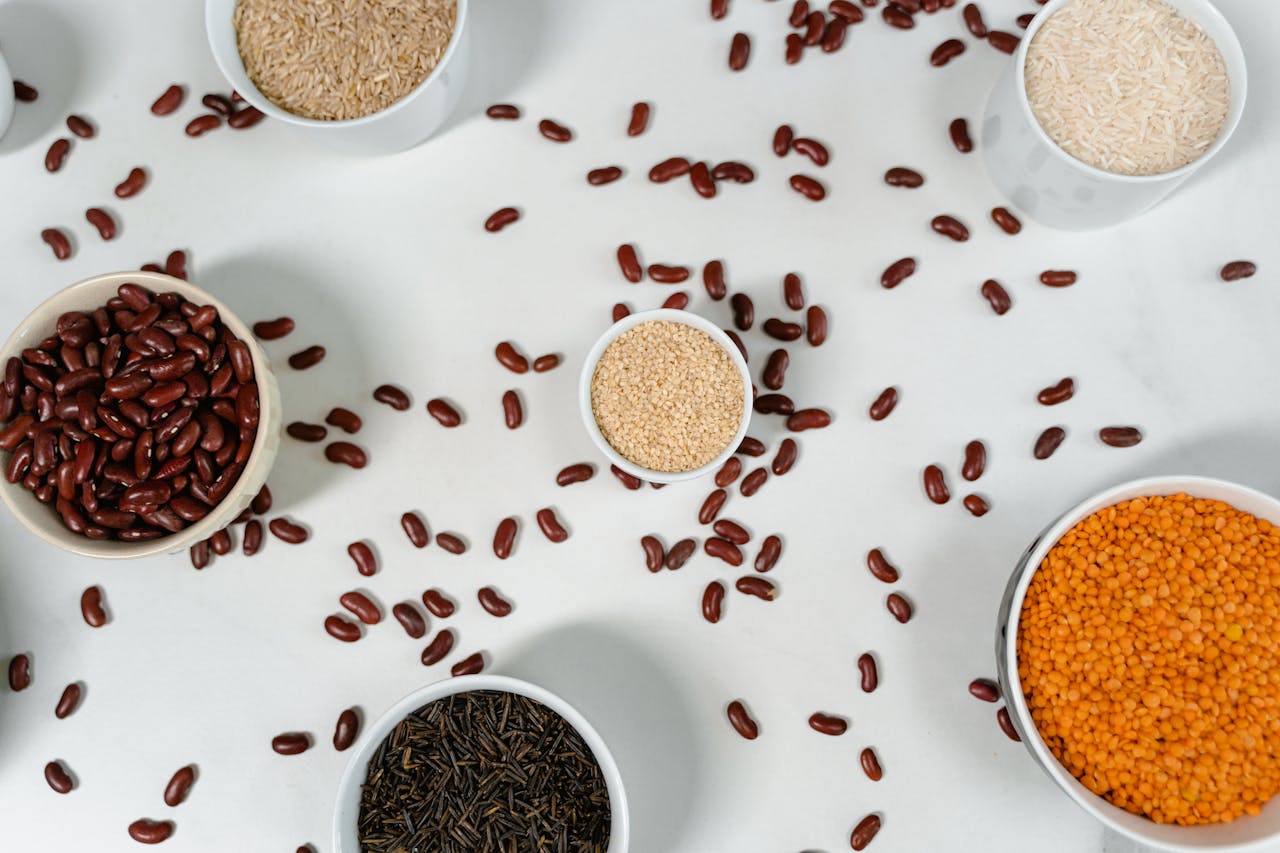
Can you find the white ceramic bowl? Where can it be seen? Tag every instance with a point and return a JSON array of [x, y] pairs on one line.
[[589, 368], [347, 812], [402, 125], [1244, 833], [6, 96], [44, 522], [1056, 188]]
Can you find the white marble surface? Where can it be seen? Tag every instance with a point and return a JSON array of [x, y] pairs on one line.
[[385, 263]]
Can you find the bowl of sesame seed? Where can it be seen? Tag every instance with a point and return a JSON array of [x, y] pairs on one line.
[[665, 395]]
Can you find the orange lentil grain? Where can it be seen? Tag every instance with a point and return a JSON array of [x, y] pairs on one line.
[[1149, 653]]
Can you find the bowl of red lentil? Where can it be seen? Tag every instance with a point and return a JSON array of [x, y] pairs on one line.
[[665, 395], [1138, 644]]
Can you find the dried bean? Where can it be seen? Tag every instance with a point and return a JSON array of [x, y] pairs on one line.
[[1006, 725], [291, 743], [58, 777], [500, 219], [1061, 392], [451, 542], [1048, 442], [668, 274], [306, 432], [95, 616], [984, 689], [669, 169], [959, 131], [774, 404], [1008, 223], [344, 419], [472, 664], [604, 175], [551, 526], [443, 412], [808, 187], [219, 104], [342, 629], [1002, 41], [884, 404], [653, 554], [793, 291], [775, 371], [147, 831], [935, 485], [945, 52], [1237, 270], [1058, 278], [897, 16], [949, 226], [713, 279], [816, 326], [868, 671], [845, 11], [996, 296], [512, 411], [287, 531], [58, 242], [346, 453], [362, 606], [504, 537], [169, 101], [751, 446], [577, 473], [871, 764], [732, 170], [56, 155], [756, 586], [347, 728], [899, 607], [901, 176], [833, 36], [640, 110], [723, 549], [770, 551], [680, 553], [815, 25], [864, 832], [739, 51], [493, 603], [175, 793], [270, 330], [828, 724], [975, 460], [553, 131], [416, 529], [1025, 20], [438, 604], [808, 419], [1120, 436], [252, 537], [20, 672], [201, 125], [200, 554], [245, 118], [811, 148], [897, 272], [700, 177], [741, 720], [630, 482], [786, 457], [630, 265], [309, 357], [711, 506], [732, 531], [744, 311], [781, 330], [753, 481], [973, 20], [782, 139], [68, 701], [880, 567], [438, 648], [503, 111]]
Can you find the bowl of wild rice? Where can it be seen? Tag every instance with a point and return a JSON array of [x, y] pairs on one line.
[[361, 76], [665, 395], [1109, 105], [481, 762]]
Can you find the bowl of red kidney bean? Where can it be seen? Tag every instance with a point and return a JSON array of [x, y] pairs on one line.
[[138, 416]]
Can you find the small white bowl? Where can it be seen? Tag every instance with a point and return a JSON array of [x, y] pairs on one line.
[[6, 96], [347, 811], [1063, 192], [87, 295], [589, 369], [1250, 832], [402, 125]]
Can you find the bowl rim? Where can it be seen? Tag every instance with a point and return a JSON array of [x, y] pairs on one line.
[[687, 318], [1204, 9], [24, 506], [1007, 646], [353, 774], [232, 67]]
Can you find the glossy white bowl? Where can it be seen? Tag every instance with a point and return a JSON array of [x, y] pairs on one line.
[[7, 99], [1244, 833], [87, 295], [402, 125], [1063, 192], [347, 812], [589, 369]]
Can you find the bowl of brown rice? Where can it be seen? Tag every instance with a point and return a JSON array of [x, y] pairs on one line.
[[360, 76], [1108, 105], [665, 395]]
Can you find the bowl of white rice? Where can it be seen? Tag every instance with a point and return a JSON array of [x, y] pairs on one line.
[[1108, 105], [361, 76]]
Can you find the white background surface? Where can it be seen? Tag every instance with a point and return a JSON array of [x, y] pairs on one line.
[[385, 263]]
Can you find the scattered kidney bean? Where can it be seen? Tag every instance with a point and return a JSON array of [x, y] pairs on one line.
[[828, 724], [342, 629], [640, 110], [503, 111], [668, 274], [653, 554], [348, 725], [309, 357], [392, 396], [739, 51], [935, 485], [751, 446], [1061, 392], [959, 130], [509, 358], [984, 689], [58, 777], [945, 52], [833, 36], [808, 187], [976, 504], [740, 719], [732, 170], [512, 411], [56, 155], [493, 603], [146, 831], [1008, 223], [897, 16], [286, 531], [169, 101], [543, 363], [871, 764], [808, 419], [362, 606], [783, 331], [793, 291], [20, 672], [500, 219], [770, 551], [676, 301], [949, 226], [220, 543], [451, 542], [24, 92], [811, 148], [175, 793], [756, 586], [472, 664], [176, 265], [711, 506], [996, 296], [880, 567], [1120, 436], [744, 312], [438, 604], [815, 25], [553, 131], [346, 453], [132, 185], [897, 272], [201, 125], [901, 176], [438, 648], [782, 139], [672, 167], [630, 482], [1237, 270], [774, 404], [68, 701], [58, 242], [1058, 278], [973, 20], [576, 473], [443, 412], [345, 419], [723, 549], [899, 607], [867, 669], [1025, 20], [1048, 442], [753, 481], [700, 177], [975, 460], [291, 743], [245, 118], [95, 616], [306, 432], [1006, 725], [551, 526], [786, 457], [252, 537], [630, 265], [864, 832], [816, 326], [1002, 41], [200, 554], [732, 531], [713, 279], [504, 537], [604, 175], [884, 404], [845, 11], [416, 529], [219, 104]]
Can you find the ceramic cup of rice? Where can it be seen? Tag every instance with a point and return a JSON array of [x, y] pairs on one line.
[[1108, 105], [361, 76], [665, 395]]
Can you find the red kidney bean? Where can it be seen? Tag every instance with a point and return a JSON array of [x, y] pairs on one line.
[[68, 701], [897, 16], [95, 616], [713, 280], [867, 670], [711, 506], [1237, 270], [287, 531], [864, 832], [739, 718], [996, 296], [899, 607], [973, 20], [1002, 41], [175, 793], [783, 331], [200, 554], [144, 830], [604, 175], [544, 363], [700, 177], [811, 148], [808, 187], [775, 370], [346, 453], [640, 110], [739, 51], [732, 170], [362, 606], [799, 13], [756, 586], [58, 777], [252, 537], [744, 312], [751, 446], [20, 672], [816, 326], [786, 457], [551, 526], [1025, 20], [219, 104], [935, 485], [949, 226], [438, 648], [345, 419], [793, 291], [473, 664], [512, 411], [975, 460], [719, 8], [493, 603], [723, 549], [959, 131], [815, 26], [576, 473], [500, 219], [504, 537], [245, 118], [56, 155], [732, 531], [672, 167], [1120, 436], [1058, 278], [945, 52], [309, 357], [1006, 725], [169, 101], [828, 724], [630, 265], [291, 743], [833, 36], [668, 274], [871, 764], [347, 728], [1008, 223], [884, 404], [306, 432], [392, 396], [342, 629], [901, 176], [553, 131], [770, 551], [270, 330], [509, 358], [1048, 442], [653, 553], [438, 604], [58, 242], [1061, 392], [416, 529], [443, 412], [782, 139], [845, 11], [626, 479], [410, 619], [808, 419], [676, 301], [201, 125], [451, 542], [176, 265], [897, 272], [984, 689], [774, 404], [503, 111]]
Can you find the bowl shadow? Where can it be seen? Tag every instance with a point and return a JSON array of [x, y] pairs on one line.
[[41, 49]]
